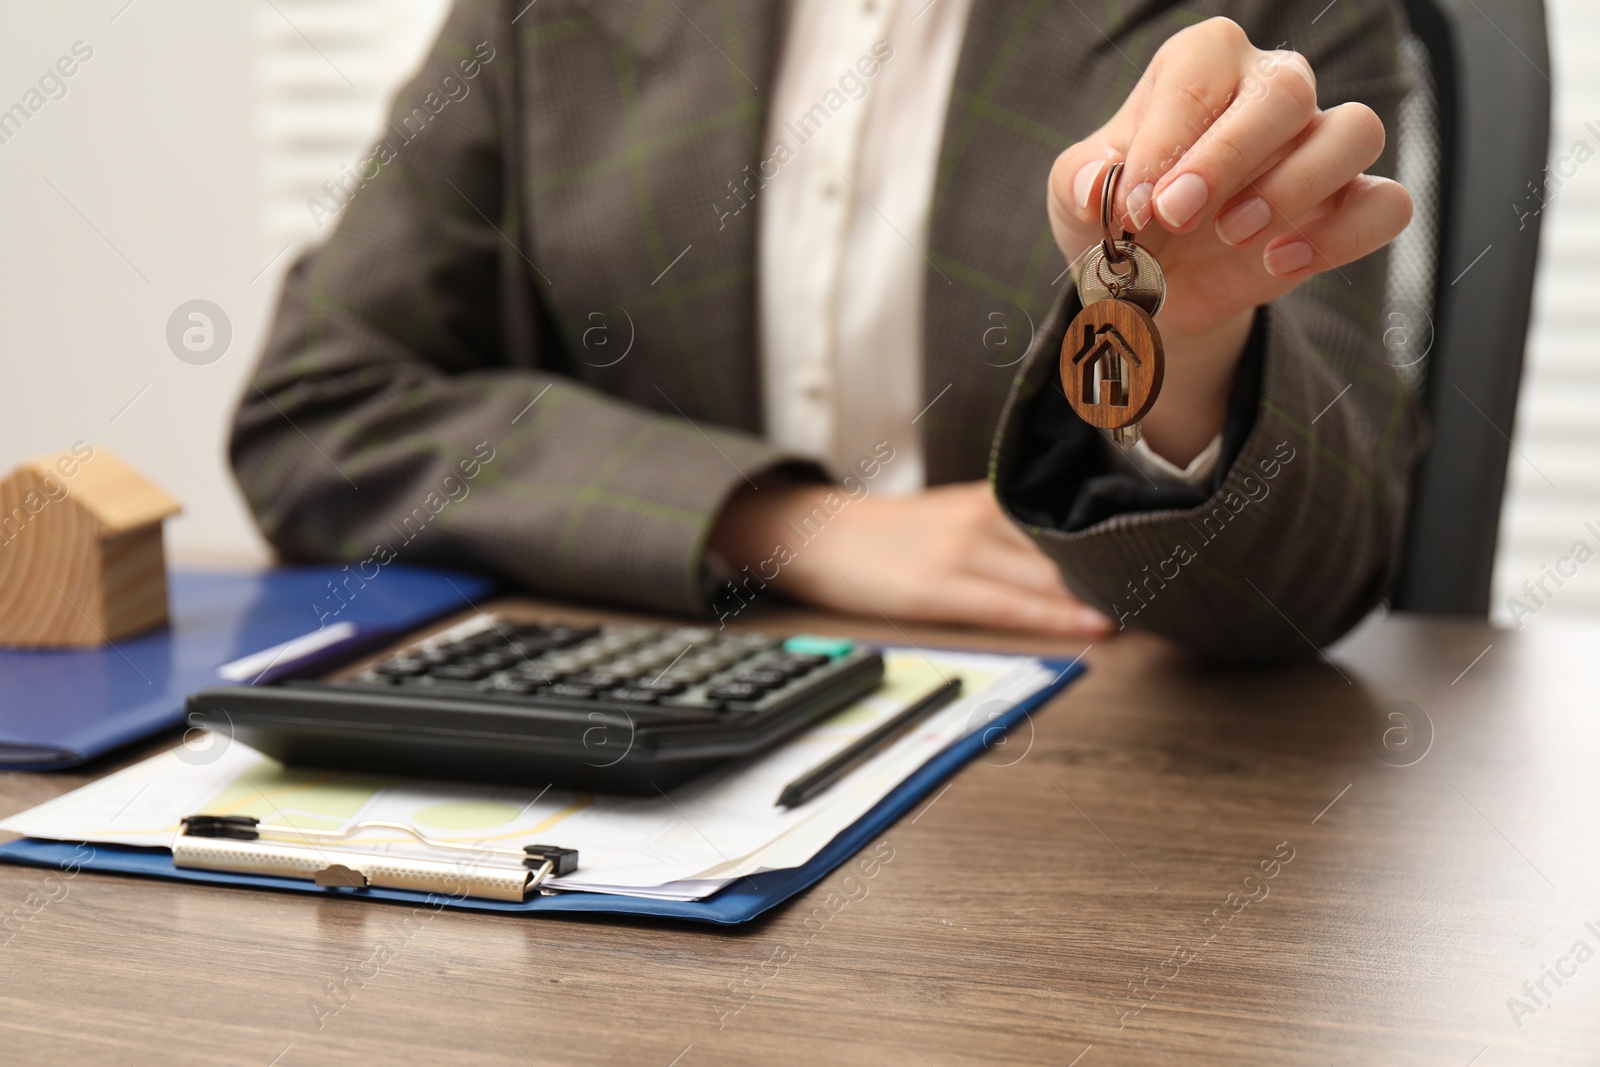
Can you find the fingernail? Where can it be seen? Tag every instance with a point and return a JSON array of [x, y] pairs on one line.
[[1287, 258], [1091, 619], [1139, 205], [1083, 184], [1239, 224], [1179, 202]]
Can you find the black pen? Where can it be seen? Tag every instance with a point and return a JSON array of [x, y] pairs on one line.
[[821, 777]]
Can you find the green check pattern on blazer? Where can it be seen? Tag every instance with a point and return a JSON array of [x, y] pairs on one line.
[[481, 287]]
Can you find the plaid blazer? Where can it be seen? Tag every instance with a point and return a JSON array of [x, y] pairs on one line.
[[530, 343]]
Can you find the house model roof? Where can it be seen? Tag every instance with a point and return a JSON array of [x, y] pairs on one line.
[[117, 496]]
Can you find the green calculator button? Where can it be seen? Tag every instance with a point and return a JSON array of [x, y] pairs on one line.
[[811, 645]]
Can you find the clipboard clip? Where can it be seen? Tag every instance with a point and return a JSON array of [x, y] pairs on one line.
[[243, 844]]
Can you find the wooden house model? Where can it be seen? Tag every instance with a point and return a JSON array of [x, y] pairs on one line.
[[81, 555]]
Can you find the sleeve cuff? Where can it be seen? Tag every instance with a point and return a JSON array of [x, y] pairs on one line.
[[1054, 471], [1158, 468]]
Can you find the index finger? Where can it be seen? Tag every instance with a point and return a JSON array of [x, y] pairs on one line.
[[1197, 76]]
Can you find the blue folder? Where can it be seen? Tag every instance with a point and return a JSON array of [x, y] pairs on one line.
[[738, 902], [61, 707]]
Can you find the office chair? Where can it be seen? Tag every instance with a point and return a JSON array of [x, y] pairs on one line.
[[1473, 136]]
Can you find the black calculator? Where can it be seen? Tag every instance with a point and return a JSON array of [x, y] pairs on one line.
[[620, 708]]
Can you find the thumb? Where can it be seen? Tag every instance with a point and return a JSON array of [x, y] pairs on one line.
[[1073, 200]]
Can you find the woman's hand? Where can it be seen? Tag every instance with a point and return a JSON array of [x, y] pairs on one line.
[[1242, 187], [945, 555]]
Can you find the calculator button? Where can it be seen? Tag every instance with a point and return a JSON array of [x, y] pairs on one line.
[[494, 661], [510, 683], [532, 646], [661, 687], [553, 640], [597, 679], [616, 642], [636, 631], [458, 672], [400, 668], [766, 677], [569, 691], [796, 664], [735, 691], [755, 642], [633, 695], [827, 647], [544, 672]]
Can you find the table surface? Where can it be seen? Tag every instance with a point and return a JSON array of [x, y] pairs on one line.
[[1387, 857]]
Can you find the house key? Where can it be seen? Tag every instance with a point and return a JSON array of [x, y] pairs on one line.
[[1112, 362]]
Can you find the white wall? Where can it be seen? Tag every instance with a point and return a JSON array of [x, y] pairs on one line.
[[180, 157]]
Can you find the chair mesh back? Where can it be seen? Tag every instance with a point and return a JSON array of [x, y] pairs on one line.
[[1413, 258]]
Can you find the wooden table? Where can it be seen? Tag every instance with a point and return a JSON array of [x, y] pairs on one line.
[[1094, 891]]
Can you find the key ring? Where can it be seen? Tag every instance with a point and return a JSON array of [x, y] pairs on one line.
[[1108, 244]]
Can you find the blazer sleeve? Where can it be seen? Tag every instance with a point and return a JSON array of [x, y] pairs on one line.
[[1298, 536], [386, 420]]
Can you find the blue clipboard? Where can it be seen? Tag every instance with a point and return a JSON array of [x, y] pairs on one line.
[[738, 902], [61, 707]]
